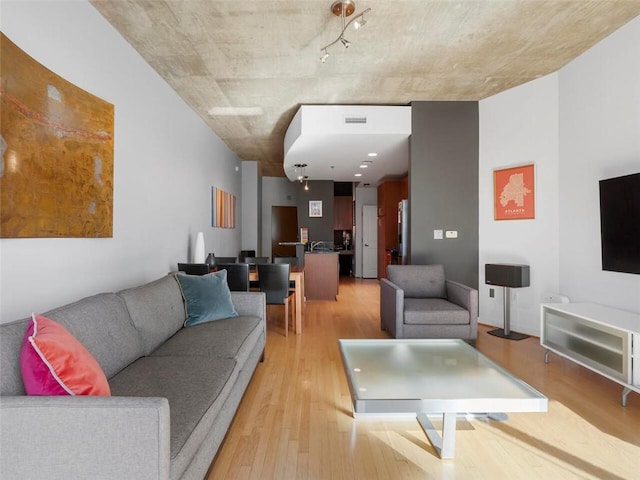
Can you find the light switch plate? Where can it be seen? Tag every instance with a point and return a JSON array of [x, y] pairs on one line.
[[437, 234], [452, 234]]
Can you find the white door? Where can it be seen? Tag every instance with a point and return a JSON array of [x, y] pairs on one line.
[[369, 241]]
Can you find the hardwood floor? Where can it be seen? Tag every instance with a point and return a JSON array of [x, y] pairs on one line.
[[295, 420]]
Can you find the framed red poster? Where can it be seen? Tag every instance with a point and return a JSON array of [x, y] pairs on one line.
[[514, 193]]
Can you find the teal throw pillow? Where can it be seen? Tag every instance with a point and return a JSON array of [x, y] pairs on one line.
[[207, 297]]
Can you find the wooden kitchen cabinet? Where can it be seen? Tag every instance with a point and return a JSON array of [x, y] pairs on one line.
[[390, 193], [342, 213], [321, 276]]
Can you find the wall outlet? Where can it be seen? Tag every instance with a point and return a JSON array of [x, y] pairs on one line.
[[451, 234], [438, 235]]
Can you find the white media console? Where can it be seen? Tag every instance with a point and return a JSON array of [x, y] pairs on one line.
[[603, 339]]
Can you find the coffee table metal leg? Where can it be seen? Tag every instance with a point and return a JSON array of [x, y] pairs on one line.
[[444, 444]]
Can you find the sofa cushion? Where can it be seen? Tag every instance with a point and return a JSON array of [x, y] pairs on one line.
[[11, 338], [228, 338], [196, 391], [156, 309], [419, 281], [433, 311], [207, 297], [53, 362], [102, 324]]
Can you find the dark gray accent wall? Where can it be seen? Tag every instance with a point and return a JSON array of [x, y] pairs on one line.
[[320, 228], [443, 186]]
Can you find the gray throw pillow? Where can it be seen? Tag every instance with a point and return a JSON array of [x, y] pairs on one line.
[[207, 297]]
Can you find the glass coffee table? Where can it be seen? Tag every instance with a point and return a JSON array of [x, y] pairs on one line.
[[429, 377]]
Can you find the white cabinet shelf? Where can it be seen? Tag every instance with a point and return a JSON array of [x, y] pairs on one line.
[[603, 339]]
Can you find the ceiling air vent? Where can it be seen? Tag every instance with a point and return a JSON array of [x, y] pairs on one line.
[[355, 120]]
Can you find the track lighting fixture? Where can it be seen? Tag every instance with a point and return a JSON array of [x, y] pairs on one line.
[[300, 170], [344, 9]]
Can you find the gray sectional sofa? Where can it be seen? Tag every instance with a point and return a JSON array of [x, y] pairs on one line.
[[174, 390]]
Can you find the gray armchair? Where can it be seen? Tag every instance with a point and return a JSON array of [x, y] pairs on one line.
[[416, 301]]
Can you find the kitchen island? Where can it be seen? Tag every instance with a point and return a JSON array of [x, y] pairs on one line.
[[321, 275]]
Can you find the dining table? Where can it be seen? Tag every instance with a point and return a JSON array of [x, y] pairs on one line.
[[296, 275]]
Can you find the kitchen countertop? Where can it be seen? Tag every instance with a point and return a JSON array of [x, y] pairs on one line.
[[340, 252]]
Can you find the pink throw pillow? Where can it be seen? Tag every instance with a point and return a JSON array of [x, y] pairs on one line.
[[54, 362]]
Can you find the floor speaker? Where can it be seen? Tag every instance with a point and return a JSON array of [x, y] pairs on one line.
[[508, 276]]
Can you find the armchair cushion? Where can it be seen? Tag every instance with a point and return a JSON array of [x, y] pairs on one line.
[[433, 311], [419, 281]]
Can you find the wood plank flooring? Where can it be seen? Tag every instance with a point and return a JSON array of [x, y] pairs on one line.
[[295, 420]]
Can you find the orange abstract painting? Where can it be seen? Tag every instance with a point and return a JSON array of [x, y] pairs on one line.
[[223, 209], [56, 140], [514, 193]]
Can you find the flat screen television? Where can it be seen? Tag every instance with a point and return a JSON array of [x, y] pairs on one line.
[[620, 223]]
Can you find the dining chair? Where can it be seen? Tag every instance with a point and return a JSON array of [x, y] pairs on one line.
[[256, 260], [237, 276], [289, 260], [219, 260], [273, 280], [193, 268], [293, 261], [246, 253]]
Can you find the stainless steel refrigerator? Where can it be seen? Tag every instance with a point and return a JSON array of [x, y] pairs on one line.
[[403, 232]]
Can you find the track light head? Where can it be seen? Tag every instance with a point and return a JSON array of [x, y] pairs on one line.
[[345, 42], [359, 23]]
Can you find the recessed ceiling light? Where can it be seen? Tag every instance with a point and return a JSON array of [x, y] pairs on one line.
[[364, 166], [358, 175], [372, 154]]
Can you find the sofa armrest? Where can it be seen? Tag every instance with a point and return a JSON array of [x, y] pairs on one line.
[[391, 307], [84, 437], [252, 304], [464, 296]]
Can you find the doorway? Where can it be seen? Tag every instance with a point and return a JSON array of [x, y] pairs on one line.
[[369, 241], [284, 228]]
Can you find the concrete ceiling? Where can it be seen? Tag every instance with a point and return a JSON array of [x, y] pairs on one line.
[[247, 66]]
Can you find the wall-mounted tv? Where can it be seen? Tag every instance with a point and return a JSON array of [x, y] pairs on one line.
[[620, 223]]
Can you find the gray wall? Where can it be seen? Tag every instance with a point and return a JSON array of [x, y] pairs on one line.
[[320, 228], [250, 202], [443, 186], [276, 192]]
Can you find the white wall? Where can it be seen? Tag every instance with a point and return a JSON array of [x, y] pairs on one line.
[[520, 126], [600, 138], [165, 161], [578, 126]]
